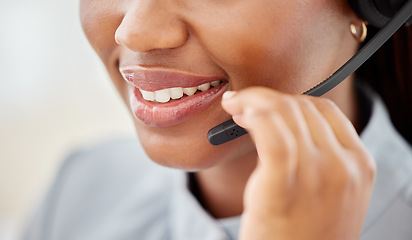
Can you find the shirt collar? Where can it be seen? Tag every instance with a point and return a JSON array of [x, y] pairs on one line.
[[188, 219], [392, 155]]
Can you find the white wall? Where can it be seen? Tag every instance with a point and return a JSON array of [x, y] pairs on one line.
[[54, 96]]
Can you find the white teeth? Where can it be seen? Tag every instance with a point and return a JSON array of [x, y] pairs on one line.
[[215, 83], [190, 91], [176, 93], [162, 95], [149, 96], [204, 87]]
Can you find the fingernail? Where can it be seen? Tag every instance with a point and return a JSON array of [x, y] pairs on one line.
[[228, 95]]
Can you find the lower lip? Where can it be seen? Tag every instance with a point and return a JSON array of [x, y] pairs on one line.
[[174, 112]]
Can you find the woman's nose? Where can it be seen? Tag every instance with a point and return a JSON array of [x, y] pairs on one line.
[[148, 25]]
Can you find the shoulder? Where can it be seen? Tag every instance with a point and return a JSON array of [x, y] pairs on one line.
[[97, 189], [112, 161], [112, 167]]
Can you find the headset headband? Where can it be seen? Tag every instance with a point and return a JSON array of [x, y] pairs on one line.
[[377, 12]]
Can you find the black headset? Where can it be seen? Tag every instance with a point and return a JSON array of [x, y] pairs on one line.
[[389, 15], [377, 12]]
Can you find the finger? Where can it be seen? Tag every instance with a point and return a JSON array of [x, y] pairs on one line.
[[264, 100], [340, 124], [349, 139], [254, 97], [274, 142], [319, 128], [291, 113]]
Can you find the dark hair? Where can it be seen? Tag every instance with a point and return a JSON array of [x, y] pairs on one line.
[[389, 72]]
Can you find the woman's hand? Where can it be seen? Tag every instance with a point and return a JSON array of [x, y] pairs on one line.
[[314, 177]]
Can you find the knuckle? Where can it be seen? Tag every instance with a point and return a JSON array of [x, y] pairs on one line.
[[260, 96], [273, 101], [353, 170], [286, 104], [259, 91], [370, 171], [325, 105], [368, 165], [283, 100], [341, 171], [250, 92], [306, 101]]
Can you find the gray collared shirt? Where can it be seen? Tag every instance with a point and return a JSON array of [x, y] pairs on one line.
[[113, 191]]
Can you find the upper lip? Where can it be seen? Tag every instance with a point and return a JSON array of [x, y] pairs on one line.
[[153, 79]]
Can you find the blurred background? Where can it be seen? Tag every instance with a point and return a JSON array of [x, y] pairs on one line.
[[55, 96]]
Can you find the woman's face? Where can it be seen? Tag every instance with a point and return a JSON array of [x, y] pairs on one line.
[[288, 45]]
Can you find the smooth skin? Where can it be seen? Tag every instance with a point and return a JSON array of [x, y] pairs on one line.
[[311, 174]]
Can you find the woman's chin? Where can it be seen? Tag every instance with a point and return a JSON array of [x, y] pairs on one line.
[[188, 156], [189, 151], [185, 163]]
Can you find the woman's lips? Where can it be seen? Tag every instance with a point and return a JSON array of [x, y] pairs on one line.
[[174, 112], [153, 79]]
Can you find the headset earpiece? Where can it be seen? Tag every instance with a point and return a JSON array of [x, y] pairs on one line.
[[377, 12]]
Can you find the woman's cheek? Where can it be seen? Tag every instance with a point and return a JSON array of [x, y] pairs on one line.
[[258, 53], [249, 61], [100, 20]]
